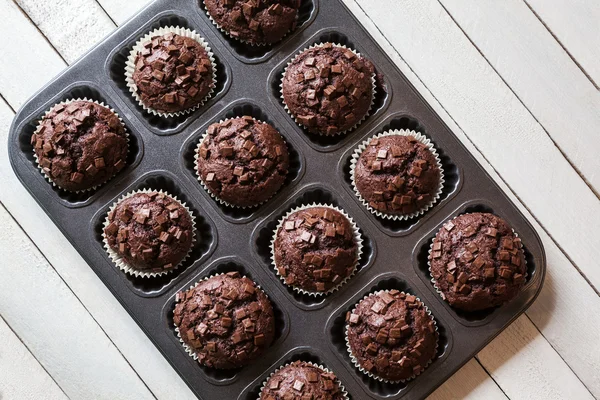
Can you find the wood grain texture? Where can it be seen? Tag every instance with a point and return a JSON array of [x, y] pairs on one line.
[[575, 24], [27, 71], [120, 11], [18, 365], [540, 72]]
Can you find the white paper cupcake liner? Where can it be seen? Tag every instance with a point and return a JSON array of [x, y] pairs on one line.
[[373, 81], [226, 32], [421, 138], [357, 237], [434, 281], [321, 367], [39, 125], [130, 68], [187, 348], [203, 184], [121, 263], [373, 376]]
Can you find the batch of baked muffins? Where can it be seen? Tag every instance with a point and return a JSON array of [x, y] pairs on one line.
[[226, 321]]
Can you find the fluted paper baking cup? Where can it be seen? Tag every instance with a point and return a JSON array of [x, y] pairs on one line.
[[321, 367], [357, 237], [374, 91], [373, 376], [39, 125], [120, 262], [205, 186], [187, 348], [130, 68], [434, 281], [402, 132]]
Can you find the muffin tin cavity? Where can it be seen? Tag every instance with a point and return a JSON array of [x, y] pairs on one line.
[[421, 262], [238, 109], [254, 54], [205, 236], [451, 176], [336, 328], [329, 142], [223, 266], [264, 234], [76, 91], [116, 70]]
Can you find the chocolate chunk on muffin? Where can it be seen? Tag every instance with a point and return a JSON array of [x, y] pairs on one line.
[[149, 232], [254, 21], [316, 249], [80, 145], [301, 380], [397, 175], [391, 335], [328, 89], [173, 73], [477, 262], [242, 162], [225, 320]]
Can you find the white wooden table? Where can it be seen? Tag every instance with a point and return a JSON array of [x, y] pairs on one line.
[[517, 80]]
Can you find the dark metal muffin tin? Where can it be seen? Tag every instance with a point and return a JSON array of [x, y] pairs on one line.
[[161, 157]]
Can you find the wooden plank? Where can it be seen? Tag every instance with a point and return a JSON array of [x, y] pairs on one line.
[[500, 127], [57, 328], [120, 11], [575, 24], [18, 366], [24, 72], [72, 26], [541, 74], [470, 382], [544, 375]]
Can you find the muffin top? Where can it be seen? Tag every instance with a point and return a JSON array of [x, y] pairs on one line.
[[300, 381], [329, 89], [397, 175], [254, 21], [80, 145], [151, 232], [477, 262], [242, 161], [315, 249], [391, 335], [173, 73], [226, 320]]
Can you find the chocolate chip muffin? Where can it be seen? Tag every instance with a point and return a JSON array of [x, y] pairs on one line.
[[226, 321], [173, 73], [80, 145], [391, 335], [316, 249], [328, 89], [149, 232], [477, 262], [301, 380], [397, 175], [242, 162], [254, 21]]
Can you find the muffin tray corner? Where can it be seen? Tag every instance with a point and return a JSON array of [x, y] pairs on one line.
[[161, 157]]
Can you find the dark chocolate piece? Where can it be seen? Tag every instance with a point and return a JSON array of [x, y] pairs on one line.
[[302, 381]]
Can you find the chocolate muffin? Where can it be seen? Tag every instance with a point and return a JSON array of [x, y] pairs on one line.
[[328, 89], [397, 175], [173, 73], [477, 262], [301, 380], [242, 162], [391, 335], [226, 321], [254, 21], [316, 249], [80, 145], [149, 232]]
